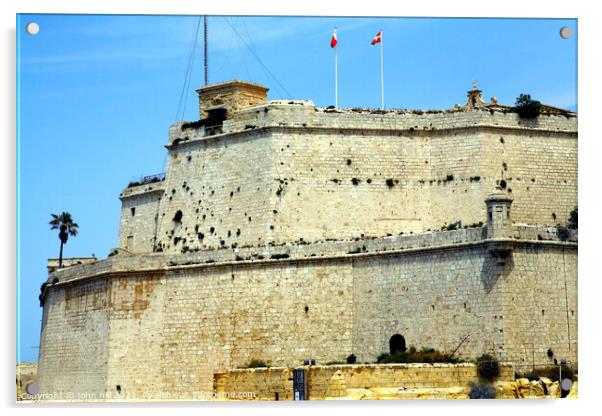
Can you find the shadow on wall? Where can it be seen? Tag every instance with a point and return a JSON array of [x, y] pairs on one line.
[[494, 268]]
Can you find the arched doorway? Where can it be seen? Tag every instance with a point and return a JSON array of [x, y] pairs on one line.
[[397, 343]]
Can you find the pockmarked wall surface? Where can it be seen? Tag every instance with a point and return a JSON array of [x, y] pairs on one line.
[[289, 171]]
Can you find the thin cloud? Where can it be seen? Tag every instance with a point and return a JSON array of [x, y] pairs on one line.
[[95, 57], [130, 36]]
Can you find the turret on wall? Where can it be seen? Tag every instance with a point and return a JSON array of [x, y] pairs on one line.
[[230, 96], [499, 221]]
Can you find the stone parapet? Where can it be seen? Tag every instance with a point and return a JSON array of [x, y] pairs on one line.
[[303, 114], [301, 250]]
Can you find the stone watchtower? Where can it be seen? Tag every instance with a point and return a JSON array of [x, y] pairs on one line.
[[230, 96], [499, 221]]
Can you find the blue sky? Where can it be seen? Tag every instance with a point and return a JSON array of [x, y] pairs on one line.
[[96, 95]]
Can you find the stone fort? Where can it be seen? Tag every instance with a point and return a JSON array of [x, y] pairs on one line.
[[282, 231]]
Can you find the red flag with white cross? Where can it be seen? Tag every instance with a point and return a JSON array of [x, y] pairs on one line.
[[377, 39]]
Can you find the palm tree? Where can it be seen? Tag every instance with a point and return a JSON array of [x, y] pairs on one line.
[[66, 227]]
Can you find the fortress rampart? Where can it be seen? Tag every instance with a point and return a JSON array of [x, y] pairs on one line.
[[283, 232], [287, 171], [168, 323]]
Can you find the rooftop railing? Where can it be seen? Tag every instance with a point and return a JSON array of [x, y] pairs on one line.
[[159, 177]]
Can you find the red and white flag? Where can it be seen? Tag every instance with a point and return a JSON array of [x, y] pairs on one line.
[[334, 40], [377, 39]]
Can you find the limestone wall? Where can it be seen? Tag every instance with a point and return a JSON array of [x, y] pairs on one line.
[[383, 381], [283, 172], [303, 113], [274, 383], [74, 341], [540, 308], [139, 218], [148, 325], [375, 184], [431, 299], [231, 315], [223, 191], [134, 344]]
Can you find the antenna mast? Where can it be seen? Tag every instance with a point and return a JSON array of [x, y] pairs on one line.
[[205, 50]]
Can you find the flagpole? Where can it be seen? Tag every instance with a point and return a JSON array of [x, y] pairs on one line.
[[336, 77], [382, 78]]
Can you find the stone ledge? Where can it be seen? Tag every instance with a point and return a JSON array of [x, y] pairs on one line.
[[162, 263]]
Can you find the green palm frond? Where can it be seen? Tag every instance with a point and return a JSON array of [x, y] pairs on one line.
[[64, 219]]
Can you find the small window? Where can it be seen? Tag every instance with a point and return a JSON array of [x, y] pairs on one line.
[[133, 211]]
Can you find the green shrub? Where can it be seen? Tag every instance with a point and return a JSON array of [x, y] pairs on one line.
[[254, 363], [41, 297], [482, 391], [573, 219], [525, 107], [454, 226], [426, 355], [488, 367]]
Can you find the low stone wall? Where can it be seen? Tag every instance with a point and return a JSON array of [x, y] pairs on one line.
[[273, 383], [369, 381], [305, 114]]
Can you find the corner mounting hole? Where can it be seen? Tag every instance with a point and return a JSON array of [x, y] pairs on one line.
[[31, 388], [565, 32], [32, 28]]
